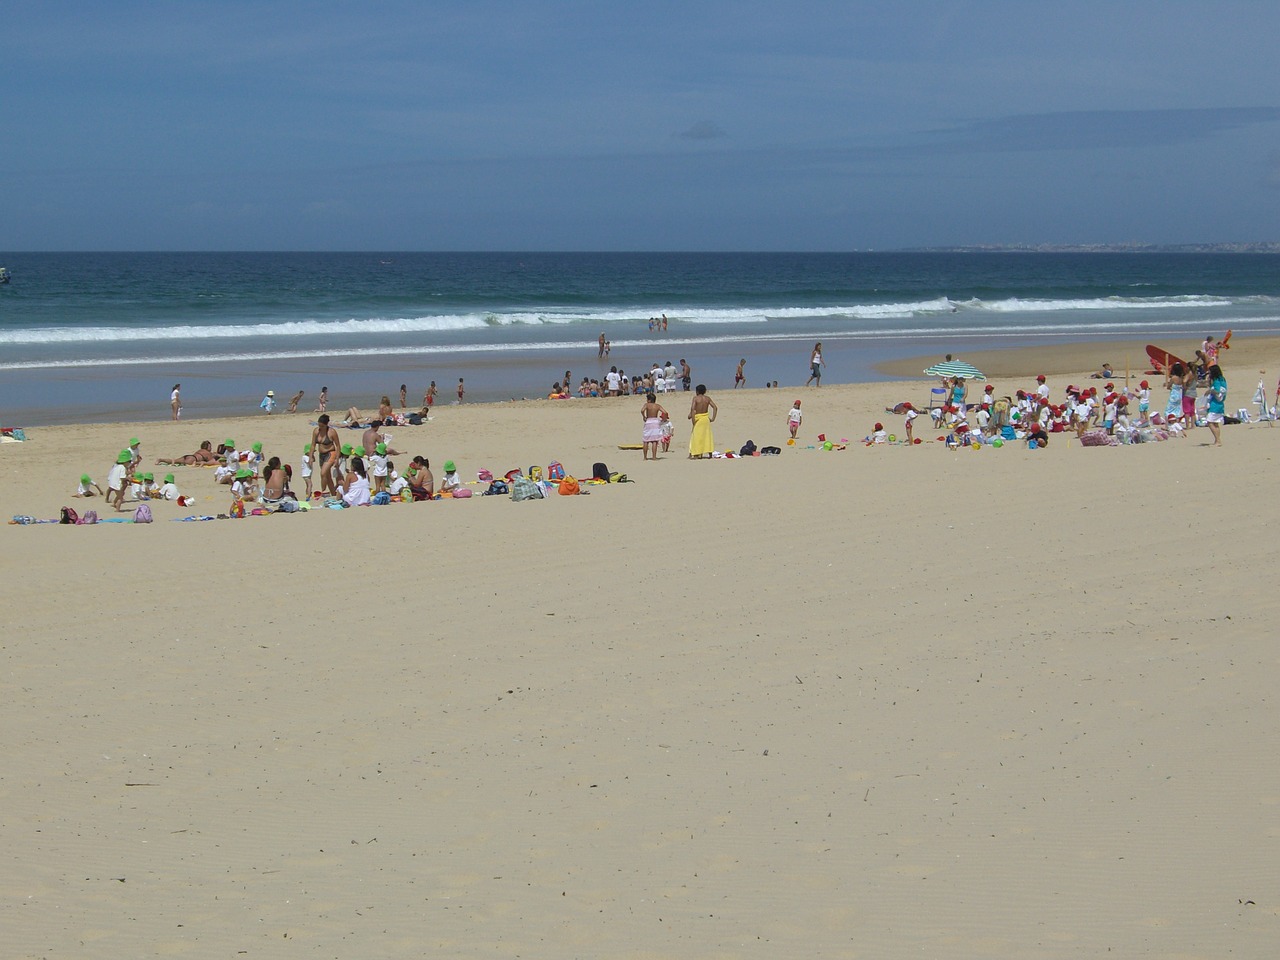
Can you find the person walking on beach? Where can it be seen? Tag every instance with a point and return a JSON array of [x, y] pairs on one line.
[[461, 390], [652, 414], [816, 364], [740, 378], [324, 446], [175, 402], [324, 400], [702, 412], [686, 374]]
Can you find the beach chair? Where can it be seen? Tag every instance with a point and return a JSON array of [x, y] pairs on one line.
[[937, 400]]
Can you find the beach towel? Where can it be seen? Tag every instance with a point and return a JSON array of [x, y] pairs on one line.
[[701, 442]]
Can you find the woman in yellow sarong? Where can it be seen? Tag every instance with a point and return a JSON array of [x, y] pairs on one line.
[[702, 412]]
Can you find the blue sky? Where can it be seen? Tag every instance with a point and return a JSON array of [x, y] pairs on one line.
[[647, 126]]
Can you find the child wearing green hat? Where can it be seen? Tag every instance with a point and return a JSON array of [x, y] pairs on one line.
[[378, 468], [87, 486], [306, 468], [451, 481], [169, 491], [116, 478]]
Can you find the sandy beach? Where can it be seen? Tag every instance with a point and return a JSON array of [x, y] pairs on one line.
[[868, 703]]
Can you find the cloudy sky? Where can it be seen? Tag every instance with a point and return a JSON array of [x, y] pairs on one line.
[[656, 125]]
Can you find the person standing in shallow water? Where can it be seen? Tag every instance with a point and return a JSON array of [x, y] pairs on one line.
[[175, 401], [702, 411], [815, 365]]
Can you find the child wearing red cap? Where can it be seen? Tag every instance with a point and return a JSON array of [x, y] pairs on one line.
[[911, 419]]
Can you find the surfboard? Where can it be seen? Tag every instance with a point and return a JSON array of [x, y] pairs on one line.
[[1162, 360], [631, 446]]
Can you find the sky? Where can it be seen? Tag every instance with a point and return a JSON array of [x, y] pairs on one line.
[[659, 125]]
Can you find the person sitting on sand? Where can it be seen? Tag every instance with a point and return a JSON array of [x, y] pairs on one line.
[[169, 491], [355, 489], [204, 455], [1104, 374], [275, 481], [384, 408], [422, 485], [451, 481], [243, 487]]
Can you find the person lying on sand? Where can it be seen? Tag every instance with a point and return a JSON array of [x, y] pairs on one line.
[[204, 455]]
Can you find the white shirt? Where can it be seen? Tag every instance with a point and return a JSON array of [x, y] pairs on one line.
[[378, 465], [168, 491], [358, 495]]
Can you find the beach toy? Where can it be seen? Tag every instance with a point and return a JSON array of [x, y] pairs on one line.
[[976, 444], [1031, 445], [822, 437], [791, 442], [125, 457], [917, 440], [828, 445], [892, 438]]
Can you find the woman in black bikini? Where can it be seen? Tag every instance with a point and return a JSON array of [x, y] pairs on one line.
[[204, 455], [324, 441]]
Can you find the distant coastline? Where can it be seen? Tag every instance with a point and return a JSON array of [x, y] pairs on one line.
[[1262, 246]]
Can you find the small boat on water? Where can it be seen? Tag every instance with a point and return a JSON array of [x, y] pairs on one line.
[[4, 274]]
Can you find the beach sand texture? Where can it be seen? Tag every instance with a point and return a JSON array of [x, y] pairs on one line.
[[871, 703]]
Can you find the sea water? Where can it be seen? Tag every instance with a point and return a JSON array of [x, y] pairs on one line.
[[105, 336]]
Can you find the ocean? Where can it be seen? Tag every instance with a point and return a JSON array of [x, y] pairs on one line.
[[104, 336]]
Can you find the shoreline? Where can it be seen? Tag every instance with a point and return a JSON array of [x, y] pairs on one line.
[[109, 396]]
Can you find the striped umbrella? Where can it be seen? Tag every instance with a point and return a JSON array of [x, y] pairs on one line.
[[955, 368]]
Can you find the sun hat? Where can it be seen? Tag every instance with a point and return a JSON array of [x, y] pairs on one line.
[[85, 478], [380, 448], [168, 478], [346, 449], [148, 476], [306, 448], [125, 457], [449, 466], [1144, 385], [1040, 378], [271, 393], [229, 443], [134, 442], [879, 426], [359, 451], [244, 473], [257, 448]]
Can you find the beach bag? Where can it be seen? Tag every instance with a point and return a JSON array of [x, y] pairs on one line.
[[512, 474], [535, 473], [380, 499], [748, 449], [90, 516], [555, 471], [237, 508], [462, 493], [616, 477], [497, 488], [1000, 412], [522, 488], [770, 451], [69, 516], [600, 471], [484, 476], [143, 514], [569, 487]]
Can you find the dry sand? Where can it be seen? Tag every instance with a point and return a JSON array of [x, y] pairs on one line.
[[872, 703]]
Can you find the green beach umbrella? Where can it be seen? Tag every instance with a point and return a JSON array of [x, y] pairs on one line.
[[955, 368]]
